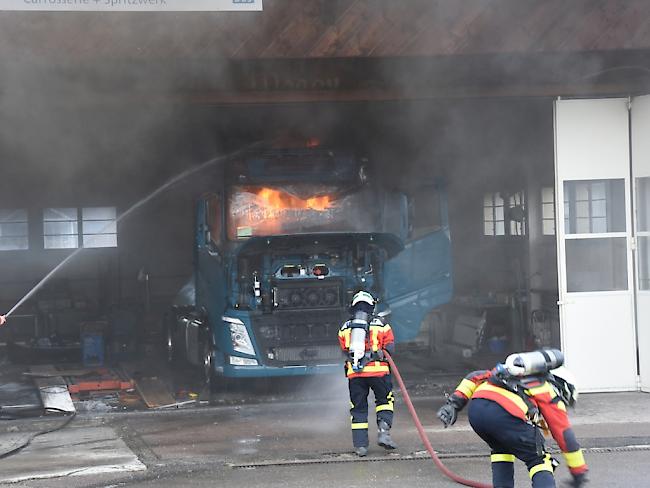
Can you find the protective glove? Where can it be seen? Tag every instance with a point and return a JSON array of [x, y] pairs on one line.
[[578, 481], [379, 355], [447, 414]]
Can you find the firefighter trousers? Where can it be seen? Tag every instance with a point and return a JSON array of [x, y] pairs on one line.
[[511, 437], [359, 387]]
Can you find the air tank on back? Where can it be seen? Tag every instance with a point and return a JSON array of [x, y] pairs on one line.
[[359, 328], [534, 362]]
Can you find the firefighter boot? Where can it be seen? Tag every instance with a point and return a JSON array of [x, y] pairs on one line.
[[383, 436], [361, 451]]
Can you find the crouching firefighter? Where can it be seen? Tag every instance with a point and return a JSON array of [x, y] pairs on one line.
[[364, 338], [509, 407]]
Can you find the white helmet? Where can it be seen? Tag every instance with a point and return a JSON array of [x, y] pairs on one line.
[[564, 382], [363, 296]]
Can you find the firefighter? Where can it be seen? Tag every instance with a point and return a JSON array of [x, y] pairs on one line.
[[510, 406], [364, 338]]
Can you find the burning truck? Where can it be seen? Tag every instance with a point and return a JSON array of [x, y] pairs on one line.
[[283, 241]]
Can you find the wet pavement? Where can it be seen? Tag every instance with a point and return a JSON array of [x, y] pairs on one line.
[[297, 433]]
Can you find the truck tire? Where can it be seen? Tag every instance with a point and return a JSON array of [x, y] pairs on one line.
[[209, 377]]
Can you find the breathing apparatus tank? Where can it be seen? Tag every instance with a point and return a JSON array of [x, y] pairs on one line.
[[535, 362], [362, 305], [359, 329]]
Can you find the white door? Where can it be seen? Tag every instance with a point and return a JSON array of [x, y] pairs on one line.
[[596, 290], [641, 176]]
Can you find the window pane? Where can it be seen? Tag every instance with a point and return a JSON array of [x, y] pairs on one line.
[[598, 191], [548, 212], [13, 243], [548, 227], [488, 213], [582, 226], [515, 228], [488, 228], [643, 245], [60, 214], [13, 229], [599, 208], [13, 215], [582, 210], [581, 191], [487, 200], [100, 240], [596, 264], [98, 213], [599, 224], [643, 203], [548, 194], [59, 228], [595, 206], [499, 228], [99, 227], [499, 213], [60, 242]]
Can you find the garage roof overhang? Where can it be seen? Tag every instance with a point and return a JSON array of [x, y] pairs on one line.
[[335, 50]]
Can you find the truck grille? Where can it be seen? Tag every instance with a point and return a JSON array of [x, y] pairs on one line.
[[308, 294], [294, 338], [307, 355]]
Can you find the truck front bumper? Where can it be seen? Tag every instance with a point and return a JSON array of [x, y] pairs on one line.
[[231, 371]]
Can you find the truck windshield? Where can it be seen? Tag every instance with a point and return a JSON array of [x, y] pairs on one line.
[[299, 209]]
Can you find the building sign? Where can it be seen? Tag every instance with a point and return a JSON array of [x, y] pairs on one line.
[[132, 5]]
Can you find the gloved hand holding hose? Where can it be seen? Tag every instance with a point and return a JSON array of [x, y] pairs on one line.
[[3, 319]]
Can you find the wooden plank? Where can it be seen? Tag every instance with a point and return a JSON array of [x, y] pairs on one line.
[[53, 390], [63, 372], [153, 391]]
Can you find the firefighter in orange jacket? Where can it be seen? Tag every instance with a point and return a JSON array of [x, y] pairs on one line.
[[364, 338], [509, 406]]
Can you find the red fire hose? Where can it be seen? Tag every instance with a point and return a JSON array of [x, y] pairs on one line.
[[423, 436]]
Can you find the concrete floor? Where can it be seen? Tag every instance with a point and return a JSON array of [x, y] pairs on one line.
[[290, 443]]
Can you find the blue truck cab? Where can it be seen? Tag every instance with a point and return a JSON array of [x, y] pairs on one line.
[[282, 243]]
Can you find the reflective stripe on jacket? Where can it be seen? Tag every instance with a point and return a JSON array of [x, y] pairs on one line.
[[540, 394], [379, 336]]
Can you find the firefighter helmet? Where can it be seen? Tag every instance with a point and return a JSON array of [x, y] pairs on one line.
[[565, 385], [363, 296]]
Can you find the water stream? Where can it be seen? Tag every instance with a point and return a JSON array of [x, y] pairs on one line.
[[131, 209]]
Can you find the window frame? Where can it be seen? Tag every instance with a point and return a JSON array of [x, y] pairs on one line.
[[493, 206], [10, 212]]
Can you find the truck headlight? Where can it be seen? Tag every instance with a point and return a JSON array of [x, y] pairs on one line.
[[237, 361], [241, 341]]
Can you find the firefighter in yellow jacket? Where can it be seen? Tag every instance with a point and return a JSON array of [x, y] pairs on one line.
[[509, 407], [364, 338]]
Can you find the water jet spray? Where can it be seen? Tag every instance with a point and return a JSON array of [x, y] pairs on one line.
[[130, 210]]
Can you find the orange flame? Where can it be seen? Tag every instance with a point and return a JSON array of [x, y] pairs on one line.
[[278, 200]]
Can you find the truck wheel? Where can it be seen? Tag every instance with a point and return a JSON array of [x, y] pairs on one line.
[[208, 371]]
